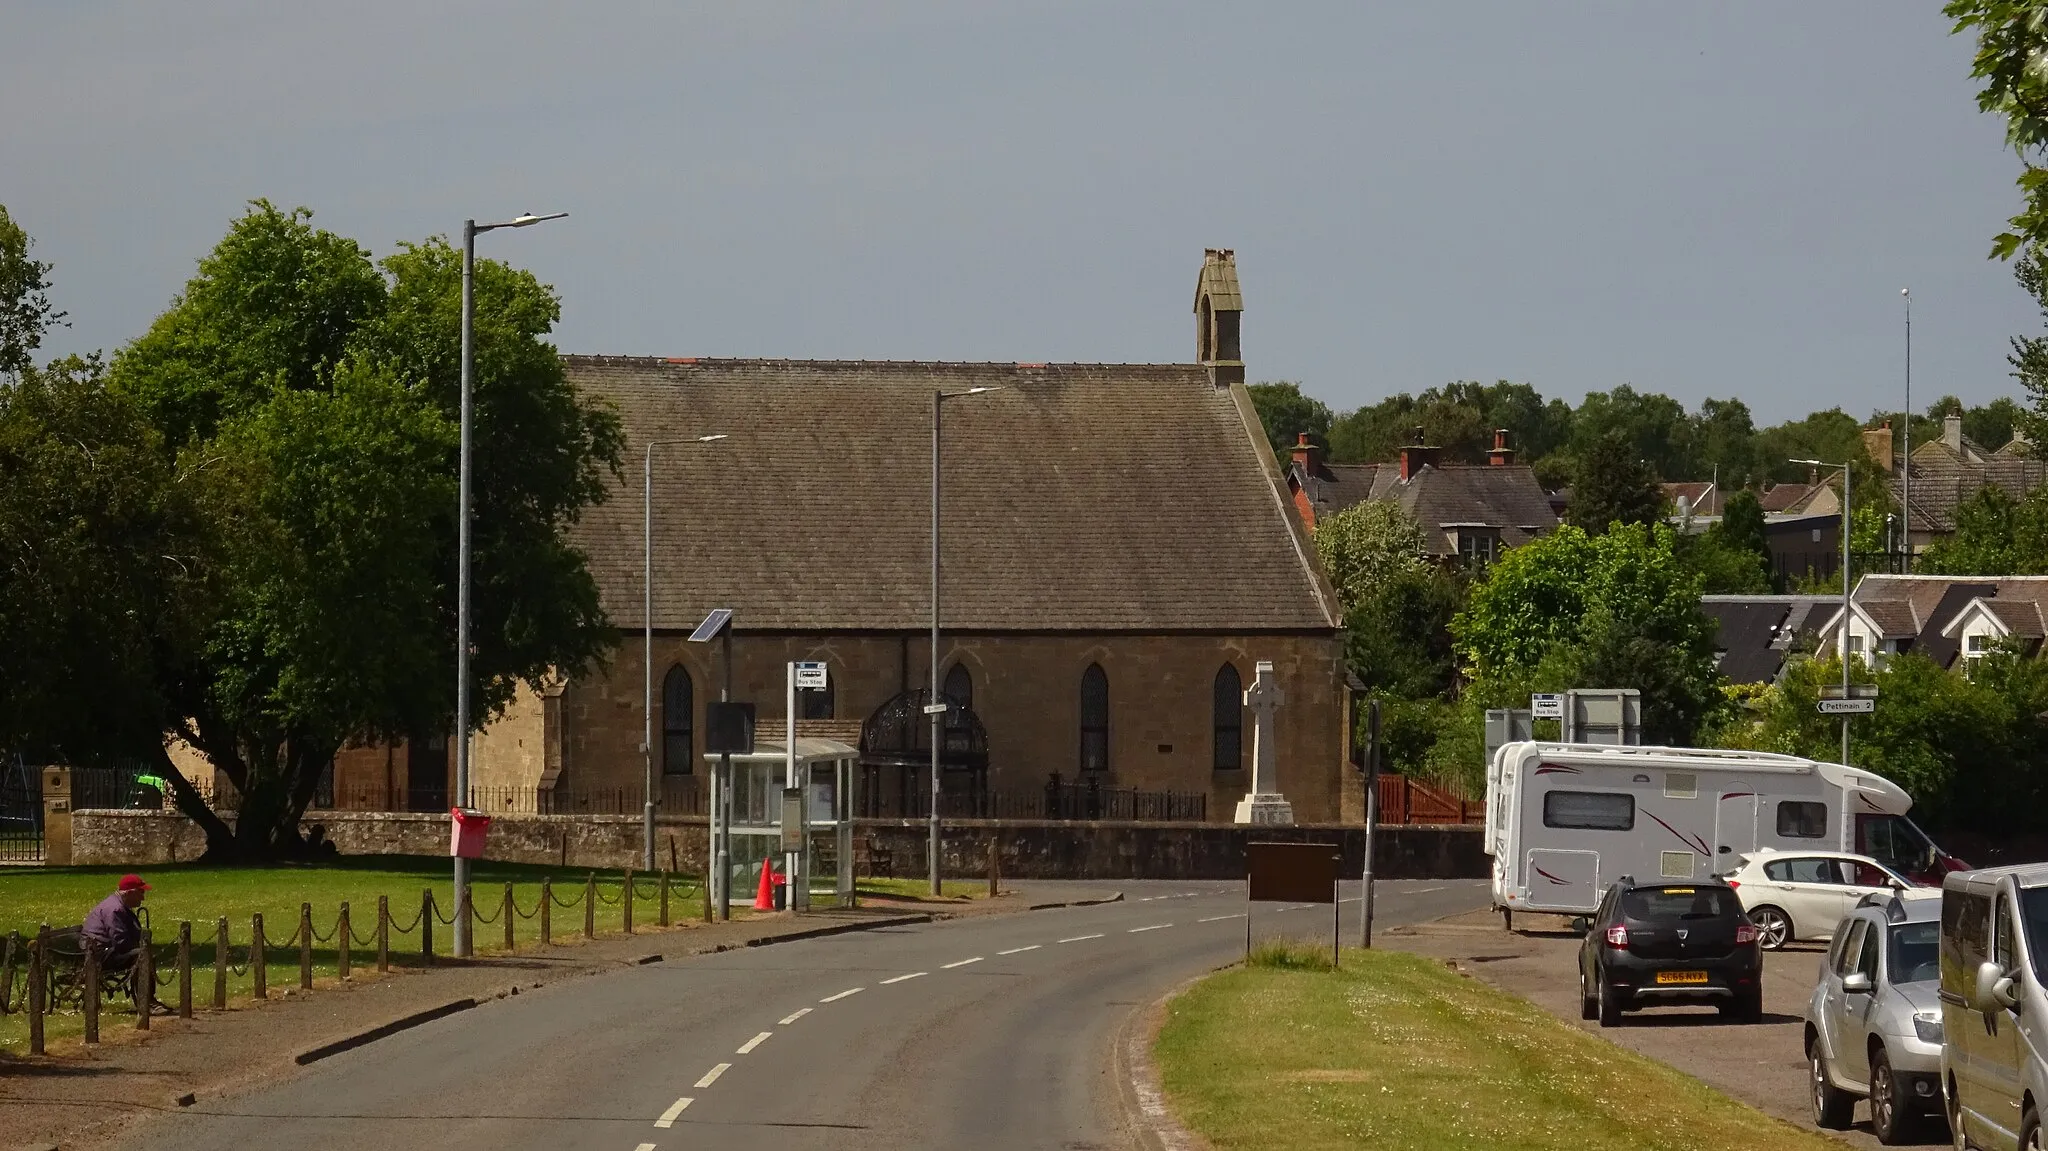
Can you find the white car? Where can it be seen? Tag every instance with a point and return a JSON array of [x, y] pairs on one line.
[[1795, 895]]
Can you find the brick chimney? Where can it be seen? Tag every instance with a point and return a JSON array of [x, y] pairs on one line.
[[1308, 456], [1218, 305], [1878, 442], [1502, 455], [1416, 456]]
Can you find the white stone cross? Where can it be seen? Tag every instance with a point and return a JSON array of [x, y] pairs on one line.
[[1264, 804]]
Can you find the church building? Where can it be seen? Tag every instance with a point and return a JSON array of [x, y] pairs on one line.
[[1116, 553]]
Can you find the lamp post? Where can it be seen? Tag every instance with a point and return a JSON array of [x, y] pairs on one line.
[[935, 709], [470, 230], [647, 633], [1906, 465], [1844, 635]]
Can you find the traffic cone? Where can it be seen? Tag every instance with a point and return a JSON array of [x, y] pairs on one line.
[[764, 898]]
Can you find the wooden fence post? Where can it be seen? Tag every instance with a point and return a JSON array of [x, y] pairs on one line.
[[383, 934], [510, 915], [38, 987], [259, 963], [626, 902], [427, 927], [547, 911], [220, 964], [145, 982], [590, 907], [341, 941], [664, 888], [305, 947], [184, 969], [92, 992]]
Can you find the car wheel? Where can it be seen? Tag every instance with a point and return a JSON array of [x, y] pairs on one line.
[[1773, 927], [1891, 1115], [1589, 1006], [2030, 1132], [1832, 1106], [1954, 1111], [1610, 1006]]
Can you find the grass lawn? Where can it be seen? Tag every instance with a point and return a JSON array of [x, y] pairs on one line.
[[921, 888], [1396, 1052], [60, 896]]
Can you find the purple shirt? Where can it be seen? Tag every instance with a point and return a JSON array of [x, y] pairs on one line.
[[113, 927]]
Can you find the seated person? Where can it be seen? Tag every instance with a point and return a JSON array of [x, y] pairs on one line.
[[112, 928]]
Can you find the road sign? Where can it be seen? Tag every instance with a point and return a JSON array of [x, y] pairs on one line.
[[810, 675], [1546, 706], [1847, 706], [1856, 691]]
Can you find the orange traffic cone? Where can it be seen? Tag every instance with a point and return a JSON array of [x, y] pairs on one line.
[[764, 898]]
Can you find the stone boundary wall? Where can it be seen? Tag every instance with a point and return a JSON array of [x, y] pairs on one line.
[[1031, 849]]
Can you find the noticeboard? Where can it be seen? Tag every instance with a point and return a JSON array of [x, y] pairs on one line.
[[1291, 872]]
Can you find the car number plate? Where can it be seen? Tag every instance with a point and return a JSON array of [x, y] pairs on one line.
[[1681, 977]]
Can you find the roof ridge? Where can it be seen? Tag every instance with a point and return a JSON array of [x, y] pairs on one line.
[[604, 360]]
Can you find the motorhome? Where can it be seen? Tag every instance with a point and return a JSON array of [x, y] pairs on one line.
[[1566, 820]]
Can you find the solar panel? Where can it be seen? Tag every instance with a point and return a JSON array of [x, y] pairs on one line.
[[714, 623]]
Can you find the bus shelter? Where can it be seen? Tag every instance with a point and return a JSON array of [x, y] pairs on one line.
[[807, 828]]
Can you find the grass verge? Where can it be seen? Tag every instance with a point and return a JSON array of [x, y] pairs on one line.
[[60, 896], [1393, 1051], [921, 888]]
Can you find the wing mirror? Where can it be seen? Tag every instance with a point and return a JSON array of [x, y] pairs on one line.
[[1856, 983], [1581, 925], [1994, 989]]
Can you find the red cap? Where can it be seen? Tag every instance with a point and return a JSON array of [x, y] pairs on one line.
[[133, 883]]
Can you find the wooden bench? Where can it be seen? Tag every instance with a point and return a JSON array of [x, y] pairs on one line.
[[868, 856], [64, 967]]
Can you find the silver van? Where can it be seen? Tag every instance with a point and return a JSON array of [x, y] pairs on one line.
[[1994, 955]]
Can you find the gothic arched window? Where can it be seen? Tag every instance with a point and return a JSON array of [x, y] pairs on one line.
[[678, 706], [1228, 719], [1094, 719]]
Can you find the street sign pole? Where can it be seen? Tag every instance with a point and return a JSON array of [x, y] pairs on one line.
[[1372, 817]]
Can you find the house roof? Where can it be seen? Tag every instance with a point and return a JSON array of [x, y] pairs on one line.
[[2015, 617], [1702, 497], [1505, 497], [1927, 609], [1944, 477], [1078, 497], [1755, 633], [1787, 497]]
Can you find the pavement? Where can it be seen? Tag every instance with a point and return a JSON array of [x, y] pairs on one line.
[[988, 1031], [1763, 1064]]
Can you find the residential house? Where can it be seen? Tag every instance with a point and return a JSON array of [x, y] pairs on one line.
[[1756, 634], [1950, 470], [1941, 617], [1468, 512]]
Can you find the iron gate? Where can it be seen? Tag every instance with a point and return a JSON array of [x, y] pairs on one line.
[[21, 813]]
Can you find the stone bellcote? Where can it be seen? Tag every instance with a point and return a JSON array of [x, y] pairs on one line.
[[1218, 304]]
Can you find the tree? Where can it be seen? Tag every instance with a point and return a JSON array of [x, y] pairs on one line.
[[1725, 445], [1611, 484], [1995, 535], [2012, 38], [1570, 605], [1742, 525], [1832, 435], [25, 310], [323, 393], [1724, 568], [101, 551], [1655, 427], [1286, 413]]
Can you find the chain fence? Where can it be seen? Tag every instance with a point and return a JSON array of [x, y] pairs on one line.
[[62, 972]]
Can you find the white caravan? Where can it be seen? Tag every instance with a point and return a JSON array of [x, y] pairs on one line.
[[1564, 821]]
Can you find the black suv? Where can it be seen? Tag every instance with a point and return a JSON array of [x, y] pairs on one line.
[[1655, 944]]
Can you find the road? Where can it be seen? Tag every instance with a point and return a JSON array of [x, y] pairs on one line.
[[988, 1032]]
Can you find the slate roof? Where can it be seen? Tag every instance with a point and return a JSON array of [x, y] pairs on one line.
[[1920, 609], [1506, 497], [1787, 497], [1703, 497], [2020, 617], [1077, 498], [1756, 633]]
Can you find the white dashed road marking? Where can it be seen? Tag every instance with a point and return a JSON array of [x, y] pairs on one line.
[[756, 1041], [644, 1147], [668, 1117], [712, 1075], [841, 995], [901, 978], [1016, 950], [1080, 938], [1154, 927], [1221, 918], [962, 963], [800, 1012]]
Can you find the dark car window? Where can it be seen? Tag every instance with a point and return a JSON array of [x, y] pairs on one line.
[[1802, 819], [1866, 956], [2001, 936], [1652, 903], [1803, 871], [1589, 810], [1851, 947], [1865, 874], [1913, 951], [1964, 918]]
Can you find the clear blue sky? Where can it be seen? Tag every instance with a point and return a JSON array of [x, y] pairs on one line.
[[1702, 199]]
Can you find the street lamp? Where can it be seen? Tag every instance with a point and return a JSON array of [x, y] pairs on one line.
[[934, 708], [647, 624], [1844, 632], [470, 230], [1906, 468]]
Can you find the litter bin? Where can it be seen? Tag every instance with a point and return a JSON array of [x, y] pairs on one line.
[[466, 833], [781, 892]]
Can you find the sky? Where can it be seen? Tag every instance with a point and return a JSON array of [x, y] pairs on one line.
[[1700, 199]]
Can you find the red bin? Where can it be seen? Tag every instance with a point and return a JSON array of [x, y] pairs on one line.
[[466, 833]]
